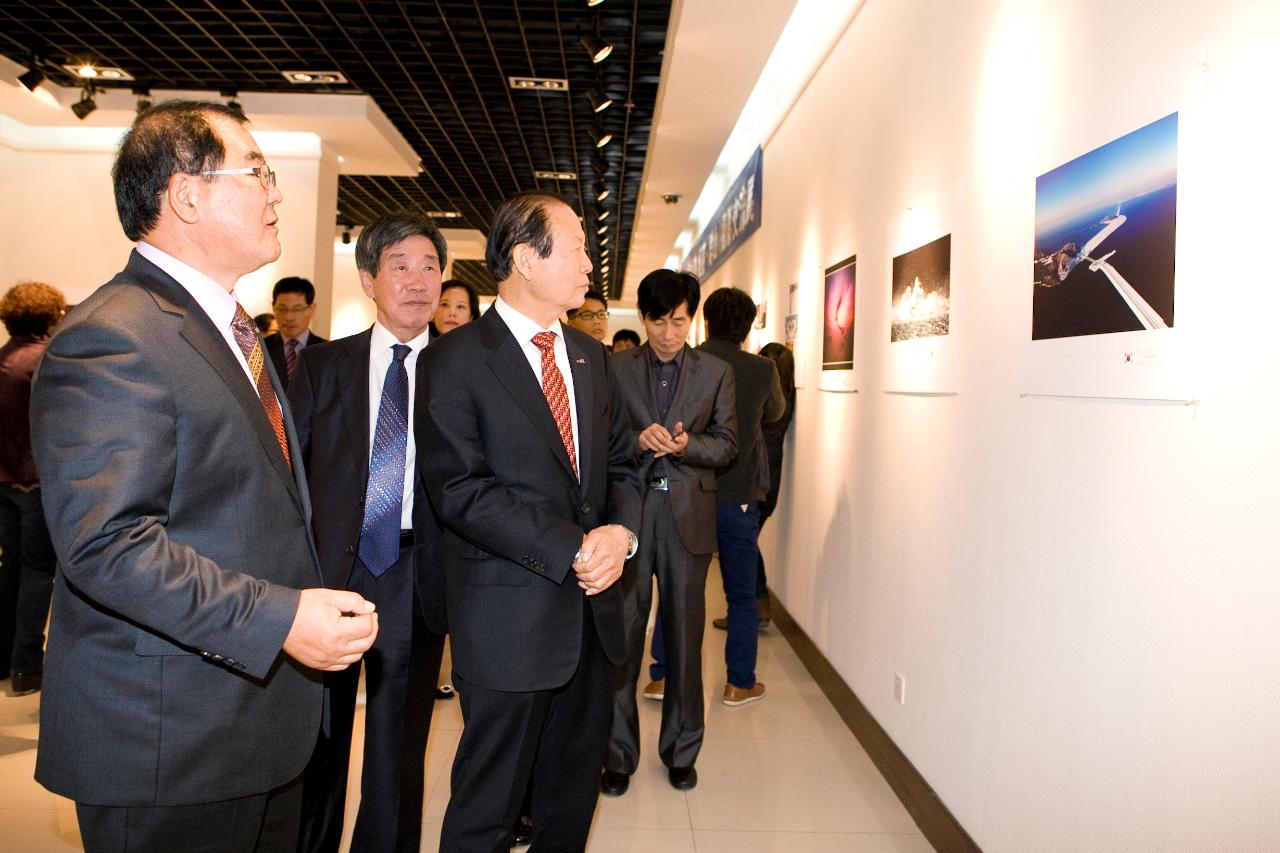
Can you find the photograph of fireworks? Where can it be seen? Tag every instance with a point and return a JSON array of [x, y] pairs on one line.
[[838, 318], [921, 295], [1105, 238]]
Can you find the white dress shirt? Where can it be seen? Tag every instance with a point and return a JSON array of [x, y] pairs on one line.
[[214, 299], [524, 329], [380, 358]]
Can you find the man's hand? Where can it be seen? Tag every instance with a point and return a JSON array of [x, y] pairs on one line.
[[600, 559], [332, 629], [660, 442]]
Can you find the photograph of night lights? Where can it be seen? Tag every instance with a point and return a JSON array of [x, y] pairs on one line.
[[838, 315], [1105, 236], [921, 297]]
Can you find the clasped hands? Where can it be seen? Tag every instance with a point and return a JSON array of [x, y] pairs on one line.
[[598, 564], [660, 442], [331, 629]]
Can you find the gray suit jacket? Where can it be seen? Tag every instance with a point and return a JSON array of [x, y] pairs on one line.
[[182, 540], [704, 404]]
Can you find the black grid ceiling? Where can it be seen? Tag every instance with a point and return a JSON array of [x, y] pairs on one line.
[[437, 69]]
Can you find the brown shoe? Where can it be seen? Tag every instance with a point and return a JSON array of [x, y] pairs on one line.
[[722, 622], [743, 695], [656, 689]]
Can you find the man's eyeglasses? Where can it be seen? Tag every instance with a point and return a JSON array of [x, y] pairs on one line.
[[263, 174], [584, 316], [291, 309]]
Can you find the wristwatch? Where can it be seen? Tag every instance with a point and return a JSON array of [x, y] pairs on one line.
[[633, 544]]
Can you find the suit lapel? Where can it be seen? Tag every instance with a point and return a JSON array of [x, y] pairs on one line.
[[583, 394], [198, 331], [353, 390], [509, 364]]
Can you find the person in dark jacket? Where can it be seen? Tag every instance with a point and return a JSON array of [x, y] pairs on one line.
[[29, 311]]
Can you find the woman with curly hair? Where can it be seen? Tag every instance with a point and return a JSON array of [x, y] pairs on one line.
[[29, 311]]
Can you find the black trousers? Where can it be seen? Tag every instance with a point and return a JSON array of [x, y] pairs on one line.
[[550, 740], [26, 579], [682, 586], [400, 681], [260, 823]]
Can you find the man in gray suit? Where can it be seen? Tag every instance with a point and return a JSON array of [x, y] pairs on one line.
[[181, 692], [680, 405]]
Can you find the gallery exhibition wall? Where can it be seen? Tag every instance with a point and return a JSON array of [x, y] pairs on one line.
[[58, 220], [1066, 547]]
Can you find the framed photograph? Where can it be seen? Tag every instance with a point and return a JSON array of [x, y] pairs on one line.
[[921, 293], [838, 315]]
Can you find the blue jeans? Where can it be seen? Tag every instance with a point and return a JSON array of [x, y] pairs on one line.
[[737, 530]]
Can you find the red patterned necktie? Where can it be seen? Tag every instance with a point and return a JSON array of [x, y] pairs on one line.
[[557, 395], [246, 335]]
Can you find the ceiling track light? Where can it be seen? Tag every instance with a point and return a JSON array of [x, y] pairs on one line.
[[232, 103], [604, 241], [144, 98], [604, 214], [591, 3], [596, 48], [603, 139], [86, 104], [601, 190], [603, 229], [599, 101], [33, 77]]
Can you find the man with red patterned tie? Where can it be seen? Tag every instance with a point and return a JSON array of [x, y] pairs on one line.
[[181, 692], [533, 475]]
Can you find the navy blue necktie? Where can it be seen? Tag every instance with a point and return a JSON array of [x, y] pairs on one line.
[[380, 532]]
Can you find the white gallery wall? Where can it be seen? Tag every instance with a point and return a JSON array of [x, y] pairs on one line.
[[1082, 594]]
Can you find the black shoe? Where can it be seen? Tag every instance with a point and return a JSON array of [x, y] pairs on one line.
[[614, 784], [27, 682], [524, 832], [683, 778]]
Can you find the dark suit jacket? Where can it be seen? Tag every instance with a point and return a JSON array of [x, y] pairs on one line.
[[182, 540], [275, 348], [759, 400], [329, 396], [704, 404], [514, 514]]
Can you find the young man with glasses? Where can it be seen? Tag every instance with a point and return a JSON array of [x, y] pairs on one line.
[[293, 301], [593, 316]]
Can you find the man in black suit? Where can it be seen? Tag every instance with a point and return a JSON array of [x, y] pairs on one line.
[[339, 395], [680, 407], [729, 313], [181, 699], [533, 476], [293, 301]]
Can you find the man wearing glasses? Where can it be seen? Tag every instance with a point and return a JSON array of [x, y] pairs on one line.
[[182, 692], [593, 316], [293, 301]]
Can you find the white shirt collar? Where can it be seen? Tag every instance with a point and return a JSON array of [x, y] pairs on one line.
[[382, 339], [212, 297], [521, 326]]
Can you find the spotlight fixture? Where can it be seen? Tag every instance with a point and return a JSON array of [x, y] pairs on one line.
[[346, 236], [232, 103], [92, 71], [603, 139], [30, 80], [601, 191], [604, 214], [144, 99], [599, 101], [86, 104], [591, 3], [597, 49], [602, 229], [604, 268], [604, 241]]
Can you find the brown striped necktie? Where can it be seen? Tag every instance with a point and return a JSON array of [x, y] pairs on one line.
[[246, 334]]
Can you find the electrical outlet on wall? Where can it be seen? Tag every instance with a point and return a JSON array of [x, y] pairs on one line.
[[900, 688]]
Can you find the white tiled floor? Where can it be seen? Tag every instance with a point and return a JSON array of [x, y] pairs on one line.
[[782, 775]]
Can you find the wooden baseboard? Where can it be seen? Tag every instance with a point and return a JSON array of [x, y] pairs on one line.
[[937, 824]]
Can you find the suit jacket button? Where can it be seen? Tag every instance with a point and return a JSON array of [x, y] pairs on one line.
[[585, 509], [350, 549]]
